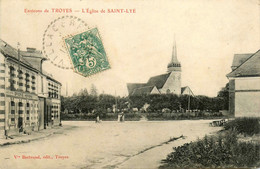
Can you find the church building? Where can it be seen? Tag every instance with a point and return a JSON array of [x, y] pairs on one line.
[[167, 83]]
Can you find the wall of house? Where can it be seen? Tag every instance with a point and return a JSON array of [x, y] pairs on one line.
[[247, 97], [2, 94], [42, 86], [173, 83]]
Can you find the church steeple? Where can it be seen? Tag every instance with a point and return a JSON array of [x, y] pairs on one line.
[[174, 65]]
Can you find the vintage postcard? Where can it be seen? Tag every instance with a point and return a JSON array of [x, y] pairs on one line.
[[129, 84]]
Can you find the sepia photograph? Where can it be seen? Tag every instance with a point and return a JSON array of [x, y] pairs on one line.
[[129, 84]]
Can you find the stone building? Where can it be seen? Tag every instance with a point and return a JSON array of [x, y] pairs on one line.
[[244, 85], [169, 82], [24, 91]]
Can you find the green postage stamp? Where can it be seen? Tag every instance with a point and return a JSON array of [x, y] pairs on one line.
[[87, 52]]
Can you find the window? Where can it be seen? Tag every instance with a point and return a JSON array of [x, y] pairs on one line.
[[20, 111], [20, 76], [12, 103], [12, 75], [27, 82]]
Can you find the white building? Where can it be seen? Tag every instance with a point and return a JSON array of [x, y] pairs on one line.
[[167, 83], [244, 85], [24, 92]]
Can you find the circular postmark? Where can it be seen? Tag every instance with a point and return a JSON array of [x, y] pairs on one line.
[[53, 44]]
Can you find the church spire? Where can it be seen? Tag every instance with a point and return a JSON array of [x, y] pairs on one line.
[[174, 52], [174, 65]]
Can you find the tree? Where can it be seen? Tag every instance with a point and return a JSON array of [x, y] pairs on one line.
[[224, 94], [83, 92]]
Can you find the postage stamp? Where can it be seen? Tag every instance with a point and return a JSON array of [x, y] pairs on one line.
[[53, 46], [87, 52]]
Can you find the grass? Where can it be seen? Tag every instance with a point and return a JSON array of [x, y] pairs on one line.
[[220, 151], [246, 125]]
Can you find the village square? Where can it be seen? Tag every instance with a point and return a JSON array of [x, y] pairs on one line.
[[158, 85]]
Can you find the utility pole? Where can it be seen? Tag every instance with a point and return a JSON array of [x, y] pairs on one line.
[[66, 89], [116, 102], [189, 100]]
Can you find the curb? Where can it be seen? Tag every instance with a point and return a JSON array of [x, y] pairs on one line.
[[24, 141]]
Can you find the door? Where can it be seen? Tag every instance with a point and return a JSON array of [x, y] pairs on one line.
[[20, 124]]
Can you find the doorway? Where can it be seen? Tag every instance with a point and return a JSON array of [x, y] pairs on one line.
[[20, 124]]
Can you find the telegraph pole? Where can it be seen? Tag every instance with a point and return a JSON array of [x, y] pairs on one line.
[[116, 102], [189, 100]]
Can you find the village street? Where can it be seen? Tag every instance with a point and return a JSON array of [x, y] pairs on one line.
[[104, 145]]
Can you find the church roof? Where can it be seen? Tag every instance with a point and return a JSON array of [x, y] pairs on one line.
[[159, 80], [143, 90], [132, 86], [250, 67], [240, 58]]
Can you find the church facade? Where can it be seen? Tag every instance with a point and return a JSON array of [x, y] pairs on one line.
[[168, 83]]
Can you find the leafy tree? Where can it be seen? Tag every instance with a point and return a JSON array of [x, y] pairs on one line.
[[224, 93], [83, 92]]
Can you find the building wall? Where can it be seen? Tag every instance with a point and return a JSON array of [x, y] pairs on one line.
[[173, 83], [41, 110], [232, 97], [24, 92], [54, 104], [2, 94], [42, 86], [247, 97], [247, 104]]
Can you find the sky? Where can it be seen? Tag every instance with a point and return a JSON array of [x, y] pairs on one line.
[[139, 45]]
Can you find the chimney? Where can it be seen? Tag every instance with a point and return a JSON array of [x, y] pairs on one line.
[[31, 49]]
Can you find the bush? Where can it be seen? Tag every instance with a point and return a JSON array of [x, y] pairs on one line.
[[245, 125], [221, 151]]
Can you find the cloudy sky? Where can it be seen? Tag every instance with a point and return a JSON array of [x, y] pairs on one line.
[[139, 45]]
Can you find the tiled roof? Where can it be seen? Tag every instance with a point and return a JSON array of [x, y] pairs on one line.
[[143, 90], [250, 67], [8, 50], [132, 86], [158, 81], [240, 58]]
